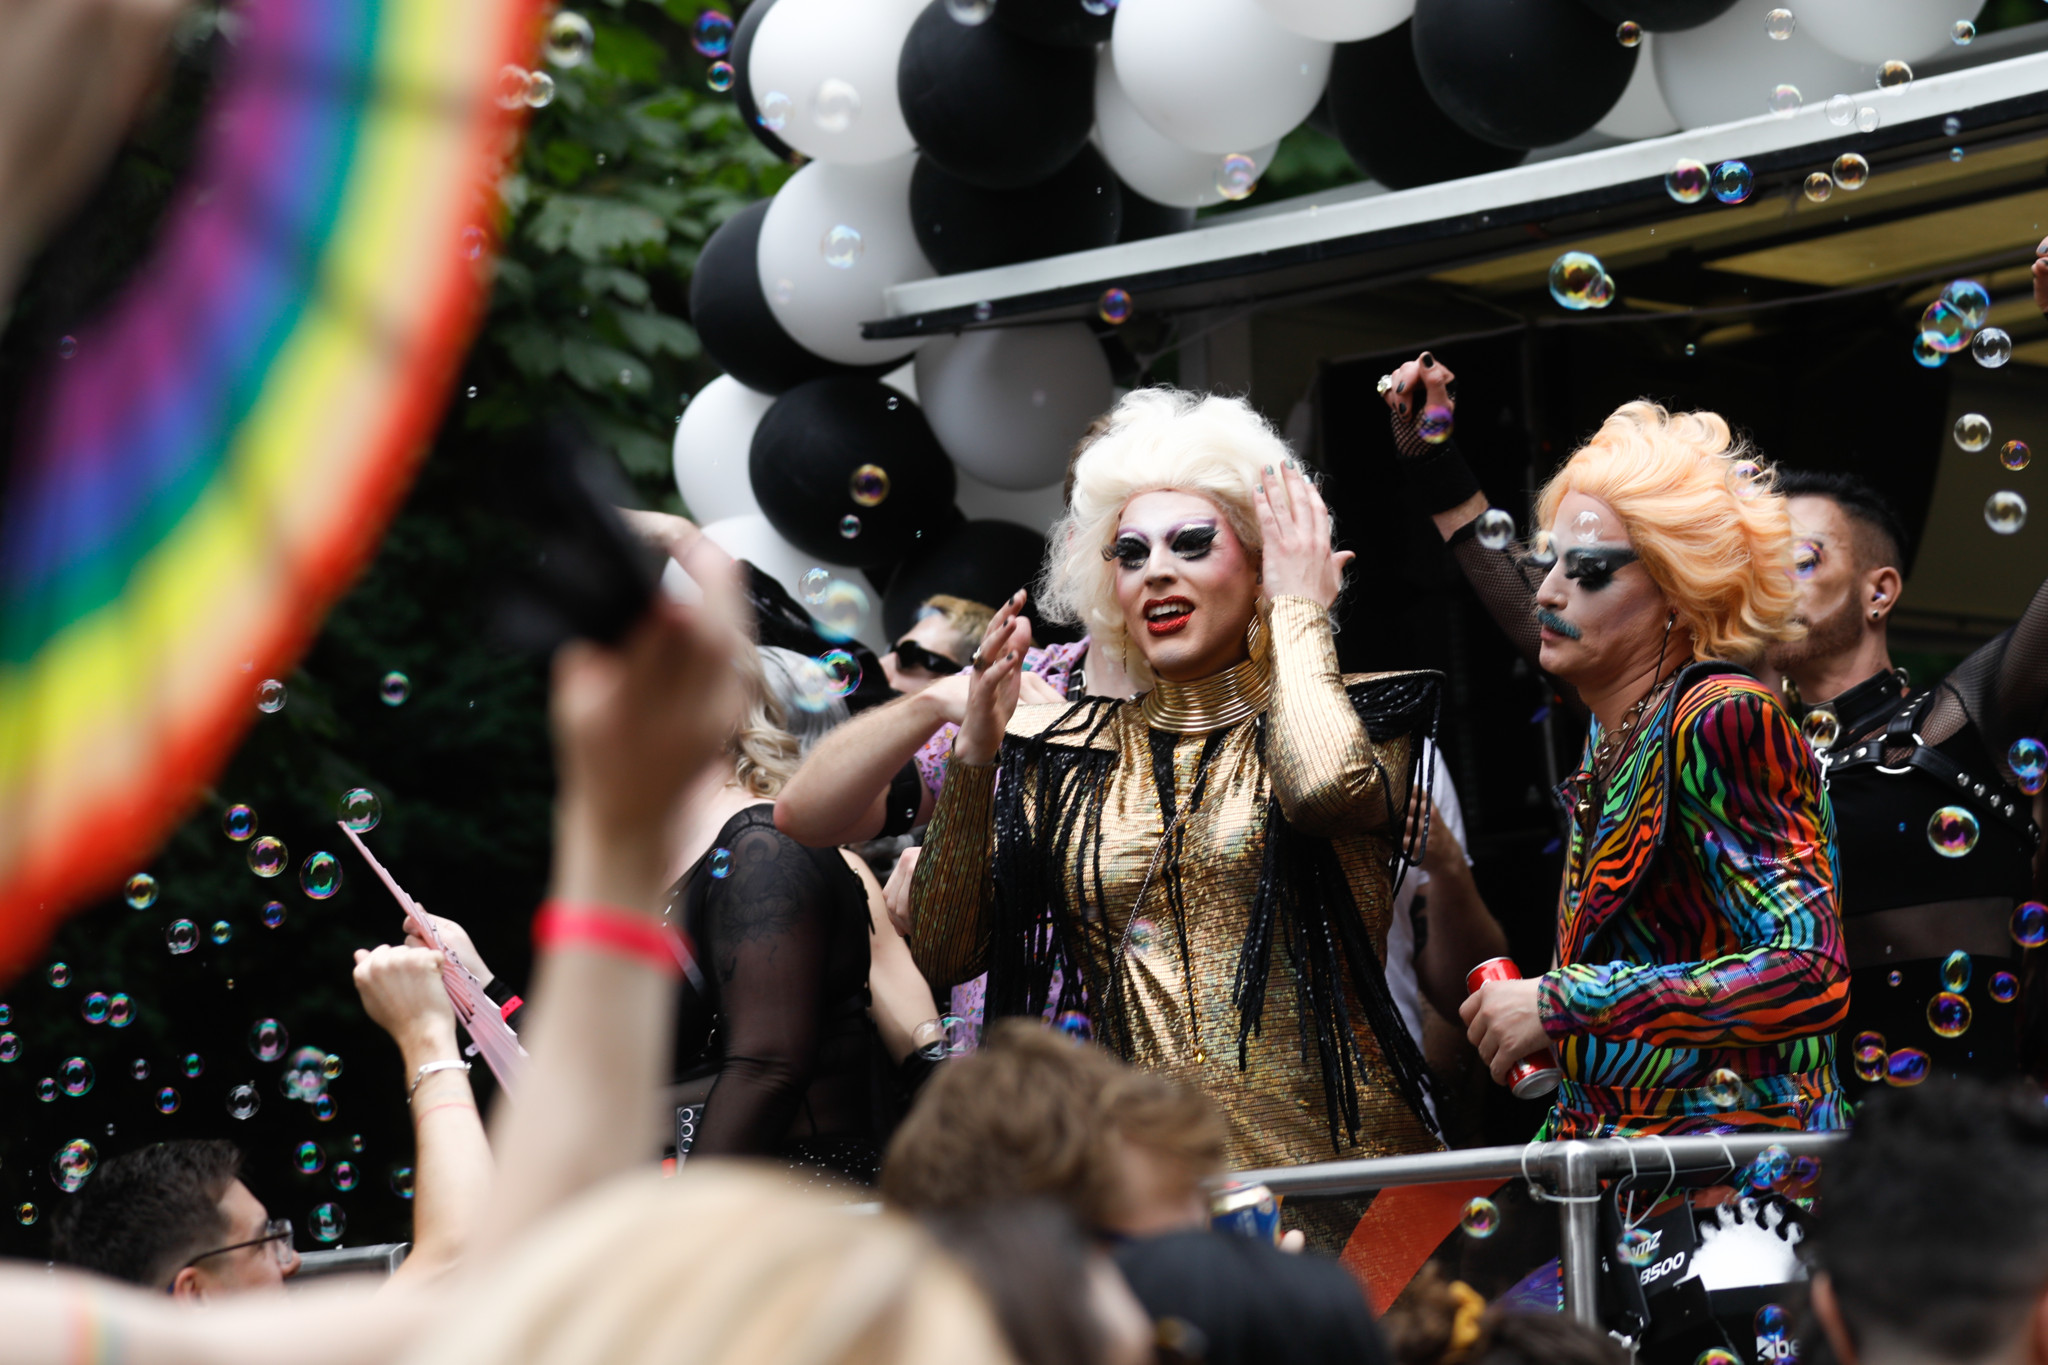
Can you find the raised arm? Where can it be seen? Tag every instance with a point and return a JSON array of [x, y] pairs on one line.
[[1747, 789], [841, 793]]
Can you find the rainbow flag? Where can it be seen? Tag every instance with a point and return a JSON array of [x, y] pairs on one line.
[[220, 457]]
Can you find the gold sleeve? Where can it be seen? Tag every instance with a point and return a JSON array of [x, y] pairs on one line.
[[1327, 773], [950, 893]]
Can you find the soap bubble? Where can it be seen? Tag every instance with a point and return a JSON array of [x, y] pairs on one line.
[[238, 823], [273, 914], [970, 12], [1771, 1321], [140, 892], [1746, 479], [1434, 424], [360, 809], [243, 1101], [268, 856], [93, 1009], [813, 584], [1784, 101], [1991, 347], [222, 931], [1495, 528], [1868, 120], [1869, 1058], [6, 1014], [1638, 1246], [182, 936], [1842, 110], [835, 105], [1972, 299], [139, 1069], [1114, 307], [1907, 1066], [1237, 175], [711, 35], [849, 526], [1779, 24], [1955, 971], [270, 696], [76, 1075], [472, 243], [2004, 987], [1542, 549], [1715, 1356], [1724, 1088], [719, 864], [1944, 327], [67, 347], [1575, 280], [774, 115], [167, 1101], [46, 1090], [330, 1066], [868, 485], [1952, 831], [74, 1161], [812, 692], [355, 1143], [719, 76], [401, 1181], [1851, 170], [268, 1040], [839, 614], [2005, 512], [1733, 181], [327, 1222], [1821, 728], [308, 1158], [60, 974], [1769, 1168], [193, 1064], [2030, 924], [842, 671], [1894, 75], [2028, 759], [1927, 355], [1686, 181], [25, 1214], [1955, 154], [393, 688], [320, 876], [1962, 33], [323, 1108], [120, 1011], [539, 94], [1973, 431], [303, 1079], [2015, 455], [1629, 33], [1948, 1014], [1819, 187], [1586, 527], [1951, 125], [343, 1175], [1481, 1218], [569, 39], [1076, 1025], [842, 246]]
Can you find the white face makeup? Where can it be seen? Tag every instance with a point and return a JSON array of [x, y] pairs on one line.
[[1598, 609], [1185, 582]]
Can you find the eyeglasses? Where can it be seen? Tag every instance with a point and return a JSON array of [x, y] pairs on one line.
[[277, 1232], [911, 654]]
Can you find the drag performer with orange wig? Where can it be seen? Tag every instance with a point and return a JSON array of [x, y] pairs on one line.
[[1700, 969]]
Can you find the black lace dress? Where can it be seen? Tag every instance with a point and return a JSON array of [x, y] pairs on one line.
[[782, 1021]]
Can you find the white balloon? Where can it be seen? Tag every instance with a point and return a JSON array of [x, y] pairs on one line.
[[711, 448], [823, 304], [754, 540], [1216, 75], [823, 73], [1036, 508], [1641, 111], [1338, 21], [1145, 158], [1881, 30], [1008, 403], [1725, 69]]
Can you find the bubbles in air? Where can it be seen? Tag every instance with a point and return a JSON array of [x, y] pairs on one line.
[[243, 1101], [59, 975], [1907, 1066], [268, 1040], [970, 12], [868, 486], [394, 688], [540, 93], [1851, 171], [2005, 512], [834, 105], [1784, 100], [320, 876], [1952, 831], [842, 671], [1841, 110], [238, 823], [1733, 181], [360, 809], [1687, 181], [719, 76], [167, 1101], [268, 856], [1780, 24], [1481, 1218], [120, 1010], [1894, 75], [2029, 924], [1962, 33], [840, 609], [711, 35], [570, 39], [1991, 347], [74, 1161], [1868, 120], [1973, 431], [76, 1077], [1494, 528], [774, 111], [1114, 307], [1819, 187], [93, 1009], [1629, 33], [2003, 987], [1578, 281], [1237, 175], [1948, 1015], [327, 1222]]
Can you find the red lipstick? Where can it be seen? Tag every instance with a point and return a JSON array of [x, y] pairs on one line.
[[1165, 615]]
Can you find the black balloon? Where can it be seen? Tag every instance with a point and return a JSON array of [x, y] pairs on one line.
[[1385, 118], [965, 227], [732, 316], [1148, 218], [989, 107], [1065, 23], [807, 451], [1661, 16], [983, 561], [1521, 73], [742, 86]]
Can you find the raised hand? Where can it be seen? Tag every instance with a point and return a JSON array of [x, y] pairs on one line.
[[1298, 560], [1422, 382], [459, 946], [998, 677], [403, 994]]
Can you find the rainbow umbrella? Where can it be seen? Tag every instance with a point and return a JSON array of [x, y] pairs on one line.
[[221, 456]]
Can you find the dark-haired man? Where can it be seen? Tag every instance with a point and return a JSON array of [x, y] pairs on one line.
[[1934, 1247], [1927, 894]]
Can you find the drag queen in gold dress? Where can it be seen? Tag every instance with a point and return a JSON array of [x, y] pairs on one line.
[[1203, 873]]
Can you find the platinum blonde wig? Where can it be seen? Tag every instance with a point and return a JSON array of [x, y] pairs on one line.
[[1158, 438]]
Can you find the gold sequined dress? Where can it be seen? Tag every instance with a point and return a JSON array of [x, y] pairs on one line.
[[1194, 838]]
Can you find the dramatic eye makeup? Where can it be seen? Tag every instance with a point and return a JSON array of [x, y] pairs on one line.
[[1193, 540], [1805, 558], [1593, 568], [1130, 550]]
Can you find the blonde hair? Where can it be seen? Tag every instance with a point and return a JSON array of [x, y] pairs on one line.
[[968, 617], [1158, 438], [722, 1264], [764, 753], [1703, 515]]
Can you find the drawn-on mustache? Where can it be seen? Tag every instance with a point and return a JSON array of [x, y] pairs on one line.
[[1546, 617]]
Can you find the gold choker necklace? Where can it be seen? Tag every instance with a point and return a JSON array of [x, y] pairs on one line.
[[1239, 692]]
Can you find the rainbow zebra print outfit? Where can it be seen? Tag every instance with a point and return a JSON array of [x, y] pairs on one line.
[[1698, 927]]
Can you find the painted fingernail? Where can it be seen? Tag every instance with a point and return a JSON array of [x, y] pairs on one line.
[[1428, 359], [1401, 386]]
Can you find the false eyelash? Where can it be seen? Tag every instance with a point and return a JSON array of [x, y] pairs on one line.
[[1128, 551], [1194, 541]]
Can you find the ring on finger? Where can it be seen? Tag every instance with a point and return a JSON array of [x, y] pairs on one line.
[[1386, 382]]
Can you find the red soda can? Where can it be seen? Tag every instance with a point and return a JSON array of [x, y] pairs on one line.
[[1538, 1073]]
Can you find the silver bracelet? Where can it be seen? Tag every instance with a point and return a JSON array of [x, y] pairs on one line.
[[429, 1068]]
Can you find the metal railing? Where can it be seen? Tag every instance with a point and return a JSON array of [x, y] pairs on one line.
[[1567, 1173]]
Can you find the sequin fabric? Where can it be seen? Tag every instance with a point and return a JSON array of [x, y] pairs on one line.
[[1054, 663]]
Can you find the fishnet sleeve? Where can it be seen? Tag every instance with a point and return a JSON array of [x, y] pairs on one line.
[[2002, 688]]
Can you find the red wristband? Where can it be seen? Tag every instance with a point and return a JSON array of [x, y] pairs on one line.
[[608, 929], [509, 1008]]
